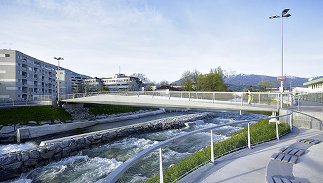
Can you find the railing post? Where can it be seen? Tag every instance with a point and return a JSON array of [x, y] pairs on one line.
[[277, 101], [277, 131], [241, 99], [212, 151], [249, 143], [169, 96], [161, 176], [213, 98], [181, 95], [297, 102], [189, 96], [259, 98], [138, 93], [291, 122]]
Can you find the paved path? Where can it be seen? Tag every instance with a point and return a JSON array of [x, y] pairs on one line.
[[250, 165]]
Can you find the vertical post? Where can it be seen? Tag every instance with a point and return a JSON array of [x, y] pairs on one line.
[[297, 102], [138, 93], [277, 131], [249, 143], [213, 97], [189, 96], [241, 99], [259, 98], [181, 95], [212, 153], [169, 95], [161, 176], [277, 101], [291, 122], [240, 112]]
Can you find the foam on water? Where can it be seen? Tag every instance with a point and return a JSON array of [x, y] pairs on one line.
[[4, 149], [120, 150], [74, 169]]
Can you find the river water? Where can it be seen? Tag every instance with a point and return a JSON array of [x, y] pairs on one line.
[[93, 164]]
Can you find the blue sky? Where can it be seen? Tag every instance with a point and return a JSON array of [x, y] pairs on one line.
[[163, 38]]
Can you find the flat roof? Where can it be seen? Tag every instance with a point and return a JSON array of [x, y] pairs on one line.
[[315, 81]]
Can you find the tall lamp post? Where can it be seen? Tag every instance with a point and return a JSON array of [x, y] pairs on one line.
[[282, 78], [59, 77]]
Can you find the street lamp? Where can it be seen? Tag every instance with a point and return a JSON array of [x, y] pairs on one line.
[[59, 77], [284, 14]]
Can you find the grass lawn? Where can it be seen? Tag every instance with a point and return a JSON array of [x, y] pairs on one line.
[[21, 115], [98, 109]]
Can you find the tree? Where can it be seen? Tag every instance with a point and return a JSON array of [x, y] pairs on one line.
[[133, 86], [164, 83], [212, 81], [264, 85], [189, 80], [142, 77], [149, 87]]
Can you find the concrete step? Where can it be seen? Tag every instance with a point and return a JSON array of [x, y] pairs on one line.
[[286, 158], [276, 179], [292, 151], [309, 141]]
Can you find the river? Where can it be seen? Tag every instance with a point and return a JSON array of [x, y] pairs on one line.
[[91, 165]]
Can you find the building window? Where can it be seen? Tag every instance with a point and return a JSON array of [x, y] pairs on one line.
[[4, 55]]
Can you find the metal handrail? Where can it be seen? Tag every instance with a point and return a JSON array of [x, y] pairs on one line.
[[117, 173]]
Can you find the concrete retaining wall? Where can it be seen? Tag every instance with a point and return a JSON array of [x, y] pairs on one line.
[[13, 164], [38, 131], [310, 120]]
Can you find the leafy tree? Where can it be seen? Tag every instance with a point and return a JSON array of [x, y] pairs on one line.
[[149, 87], [264, 85], [212, 81]]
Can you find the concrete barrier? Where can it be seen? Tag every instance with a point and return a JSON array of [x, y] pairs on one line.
[[26, 133], [310, 120]]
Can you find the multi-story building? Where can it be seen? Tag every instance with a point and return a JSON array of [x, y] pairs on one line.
[[120, 82], [69, 80], [23, 77]]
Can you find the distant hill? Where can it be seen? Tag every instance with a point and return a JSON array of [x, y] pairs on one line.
[[237, 82], [240, 81]]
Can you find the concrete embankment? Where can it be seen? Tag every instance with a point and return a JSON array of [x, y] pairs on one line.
[[13, 164], [305, 119], [26, 133]]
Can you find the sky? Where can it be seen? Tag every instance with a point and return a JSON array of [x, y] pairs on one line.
[[164, 38]]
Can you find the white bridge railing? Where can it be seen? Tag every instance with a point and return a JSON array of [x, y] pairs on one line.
[[262, 98], [117, 174]]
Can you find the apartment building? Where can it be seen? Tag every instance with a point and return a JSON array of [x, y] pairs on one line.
[[69, 80], [23, 77]]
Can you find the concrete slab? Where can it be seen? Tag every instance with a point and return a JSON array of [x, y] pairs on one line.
[[310, 166]]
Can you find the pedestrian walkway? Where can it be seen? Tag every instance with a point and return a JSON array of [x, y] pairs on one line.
[[253, 165]]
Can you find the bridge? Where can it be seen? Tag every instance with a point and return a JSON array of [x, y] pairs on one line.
[[205, 101]]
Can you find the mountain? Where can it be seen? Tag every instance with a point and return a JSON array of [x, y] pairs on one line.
[[237, 82], [240, 81]]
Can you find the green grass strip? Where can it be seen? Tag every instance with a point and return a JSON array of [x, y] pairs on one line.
[[21, 115], [261, 131]]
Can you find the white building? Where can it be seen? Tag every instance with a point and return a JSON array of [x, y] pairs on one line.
[[120, 82], [69, 81]]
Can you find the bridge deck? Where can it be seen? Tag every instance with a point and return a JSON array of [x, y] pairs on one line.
[[171, 103]]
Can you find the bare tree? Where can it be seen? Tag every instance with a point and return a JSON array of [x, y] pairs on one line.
[[142, 77], [164, 83]]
